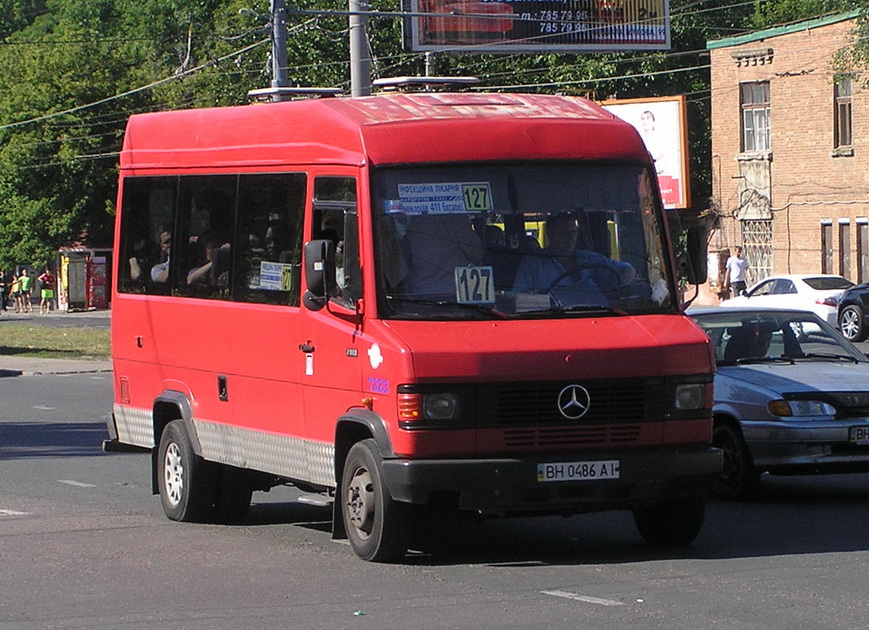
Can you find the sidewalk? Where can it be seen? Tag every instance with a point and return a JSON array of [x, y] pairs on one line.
[[27, 366]]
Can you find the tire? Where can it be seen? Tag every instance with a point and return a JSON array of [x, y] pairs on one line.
[[672, 523], [234, 492], [851, 324], [187, 484], [739, 479], [377, 526]]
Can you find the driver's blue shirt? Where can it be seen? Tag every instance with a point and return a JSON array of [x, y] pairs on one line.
[[587, 286]]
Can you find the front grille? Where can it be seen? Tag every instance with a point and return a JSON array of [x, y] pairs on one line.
[[536, 404], [573, 436]]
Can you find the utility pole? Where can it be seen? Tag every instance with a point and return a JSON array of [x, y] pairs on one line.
[[279, 49], [360, 61]]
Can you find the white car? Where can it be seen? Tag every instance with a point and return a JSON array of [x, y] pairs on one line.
[[818, 293]]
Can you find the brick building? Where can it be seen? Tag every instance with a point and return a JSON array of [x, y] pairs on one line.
[[790, 151]]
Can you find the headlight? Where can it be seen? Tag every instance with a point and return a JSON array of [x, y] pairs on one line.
[[690, 396], [440, 406], [800, 408]]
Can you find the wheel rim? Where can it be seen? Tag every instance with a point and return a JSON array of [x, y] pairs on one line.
[[173, 470], [849, 324], [361, 502]]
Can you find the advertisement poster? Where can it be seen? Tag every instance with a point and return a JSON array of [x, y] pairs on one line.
[[662, 125]]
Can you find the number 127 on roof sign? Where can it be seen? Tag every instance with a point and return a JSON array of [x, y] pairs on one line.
[[569, 26]]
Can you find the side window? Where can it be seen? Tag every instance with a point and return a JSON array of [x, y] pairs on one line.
[[146, 234], [336, 219], [202, 250], [271, 210]]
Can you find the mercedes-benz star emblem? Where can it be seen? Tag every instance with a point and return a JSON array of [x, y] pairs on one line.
[[573, 402]]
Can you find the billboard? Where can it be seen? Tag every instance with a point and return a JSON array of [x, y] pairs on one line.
[[662, 123], [568, 26]]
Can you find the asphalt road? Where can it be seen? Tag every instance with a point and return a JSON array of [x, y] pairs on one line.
[[84, 544]]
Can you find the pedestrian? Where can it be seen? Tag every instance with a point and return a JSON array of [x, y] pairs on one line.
[[26, 287], [736, 270], [15, 288], [3, 288], [46, 293]]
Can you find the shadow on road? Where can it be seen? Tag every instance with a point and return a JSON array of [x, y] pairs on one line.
[[40, 439]]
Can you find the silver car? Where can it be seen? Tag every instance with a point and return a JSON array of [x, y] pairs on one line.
[[791, 396]]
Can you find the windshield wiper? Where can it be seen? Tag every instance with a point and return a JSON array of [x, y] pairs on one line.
[[586, 308], [479, 308], [826, 356], [766, 359]]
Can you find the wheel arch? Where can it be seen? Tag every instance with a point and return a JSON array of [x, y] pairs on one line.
[[355, 426], [168, 406]]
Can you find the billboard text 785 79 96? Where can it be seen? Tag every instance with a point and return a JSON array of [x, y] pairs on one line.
[[569, 26]]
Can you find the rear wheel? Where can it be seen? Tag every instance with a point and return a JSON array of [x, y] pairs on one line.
[[851, 324], [376, 525], [672, 523], [739, 479], [186, 480]]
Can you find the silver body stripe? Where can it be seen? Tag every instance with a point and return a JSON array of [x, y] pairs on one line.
[[134, 426], [281, 455]]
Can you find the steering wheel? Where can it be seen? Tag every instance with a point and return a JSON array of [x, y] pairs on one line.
[[582, 267]]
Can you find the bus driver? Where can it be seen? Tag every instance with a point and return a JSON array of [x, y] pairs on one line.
[[571, 276]]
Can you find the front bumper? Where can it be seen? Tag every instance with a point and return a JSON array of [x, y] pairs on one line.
[[806, 447], [511, 485]]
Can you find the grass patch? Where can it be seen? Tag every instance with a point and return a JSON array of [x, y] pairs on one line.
[[55, 343]]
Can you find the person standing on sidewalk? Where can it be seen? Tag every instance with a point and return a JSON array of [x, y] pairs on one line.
[[46, 293], [26, 287], [737, 268], [3, 289], [15, 288]]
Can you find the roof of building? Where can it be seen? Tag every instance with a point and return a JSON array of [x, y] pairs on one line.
[[787, 29]]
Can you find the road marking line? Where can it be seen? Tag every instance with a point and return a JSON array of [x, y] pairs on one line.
[[43, 408], [13, 513], [78, 484], [584, 598]]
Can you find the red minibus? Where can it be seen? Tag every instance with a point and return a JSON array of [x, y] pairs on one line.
[[344, 294]]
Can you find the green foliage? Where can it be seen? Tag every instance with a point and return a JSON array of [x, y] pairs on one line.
[[64, 63]]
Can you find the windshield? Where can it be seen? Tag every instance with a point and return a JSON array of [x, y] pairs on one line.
[[741, 336], [545, 240]]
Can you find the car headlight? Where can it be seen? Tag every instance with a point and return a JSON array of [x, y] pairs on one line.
[[690, 396], [800, 408]]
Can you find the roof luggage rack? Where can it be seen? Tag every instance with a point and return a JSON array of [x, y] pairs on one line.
[[289, 93], [415, 84]]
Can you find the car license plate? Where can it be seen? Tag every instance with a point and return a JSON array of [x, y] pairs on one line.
[[578, 471], [858, 435]]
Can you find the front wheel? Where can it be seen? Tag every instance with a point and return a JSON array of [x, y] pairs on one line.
[[376, 525], [851, 324], [186, 484], [671, 523], [739, 479]]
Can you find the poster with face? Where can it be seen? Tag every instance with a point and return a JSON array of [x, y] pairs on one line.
[[661, 124]]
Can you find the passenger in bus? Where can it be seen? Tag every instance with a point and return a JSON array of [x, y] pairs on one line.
[[569, 275], [437, 245], [278, 241], [214, 269], [145, 253], [160, 271]]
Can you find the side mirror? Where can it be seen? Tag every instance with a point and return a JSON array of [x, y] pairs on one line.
[[319, 273], [696, 271]]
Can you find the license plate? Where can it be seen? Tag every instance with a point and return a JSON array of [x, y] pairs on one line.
[[858, 435], [578, 471]]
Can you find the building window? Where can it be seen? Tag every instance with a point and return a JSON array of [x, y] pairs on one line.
[[862, 250], [845, 248], [755, 105], [842, 113], [826, 247]]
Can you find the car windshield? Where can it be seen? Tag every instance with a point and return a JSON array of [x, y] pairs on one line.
[[740, 336], [519, 241]]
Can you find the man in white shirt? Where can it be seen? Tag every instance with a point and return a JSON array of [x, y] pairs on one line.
[[735, 276]]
